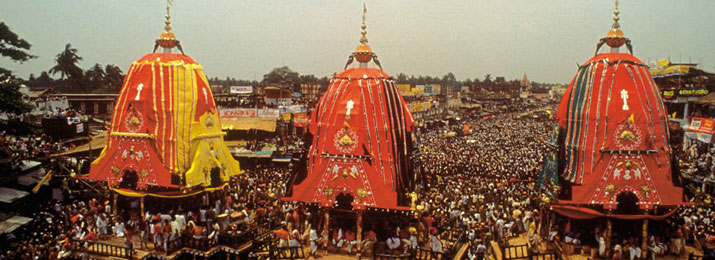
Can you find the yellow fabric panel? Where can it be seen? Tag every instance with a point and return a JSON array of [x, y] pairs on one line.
[[185, 97], [663, 62], [208, 150], [247, 123], [404, 88], [684, 69], [134, 194]]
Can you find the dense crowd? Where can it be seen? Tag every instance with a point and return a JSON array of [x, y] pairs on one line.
[[478, 184], [482, 181], [15, 149]]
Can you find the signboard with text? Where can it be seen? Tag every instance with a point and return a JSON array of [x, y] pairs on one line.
[[237, 112], [241, 89]]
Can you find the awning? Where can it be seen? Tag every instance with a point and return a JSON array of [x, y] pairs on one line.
[[247, 123], [8, 195], [9, 225], [29, 164], [32, 178], [98, 142], [708, 99]]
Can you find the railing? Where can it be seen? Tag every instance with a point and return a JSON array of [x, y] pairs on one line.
[[391, 257], [289, 253], [516, 252], [236, 240], [456, 245], [203, 244], [428, 254], [103, 249], [545, 256]]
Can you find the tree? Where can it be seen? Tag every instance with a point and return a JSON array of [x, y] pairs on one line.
[[12, 102], [308, 79], [467, 82], [67, 67], [488, 78], [13, 105], [282, 75], [95, 76], [13, 47], [43, 81], [401, 78], [449, 79], [113, 77]]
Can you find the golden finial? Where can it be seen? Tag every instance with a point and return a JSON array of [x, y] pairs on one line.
[[615, 37], [167, 40], [167, 27], [363, 53], [363, 39], [616, 18]]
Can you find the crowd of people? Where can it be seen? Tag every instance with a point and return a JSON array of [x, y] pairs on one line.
[[482, 181], [14, 149], [478, 185]]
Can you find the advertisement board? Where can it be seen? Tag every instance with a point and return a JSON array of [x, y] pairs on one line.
[[241, 89], [237, 112], [269, 112]]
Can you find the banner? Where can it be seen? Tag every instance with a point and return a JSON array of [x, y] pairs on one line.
[[80, 128], [286, 117], [237, 112], [296, 109], [300, 120], [269, 112], [404, 89], [701, 125], [692, 92], [436, 90], [668, 94], [663, 63], [670, 70], [241, 89]]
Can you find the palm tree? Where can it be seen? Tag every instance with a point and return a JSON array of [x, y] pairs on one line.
[[67, 63], [96, 76], [67, 66], [113, 77]]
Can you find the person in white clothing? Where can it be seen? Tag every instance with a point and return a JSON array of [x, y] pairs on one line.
[[313, 241], [435, 243], [338, 239], [393, 242]]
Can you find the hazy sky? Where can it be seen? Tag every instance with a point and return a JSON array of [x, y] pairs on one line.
[[246, 39]]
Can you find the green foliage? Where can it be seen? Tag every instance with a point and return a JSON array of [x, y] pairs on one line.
[[282, 75], [11, 100], [15, 108], [13, 47], [113, 78]]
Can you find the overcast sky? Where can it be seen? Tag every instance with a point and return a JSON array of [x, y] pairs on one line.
[[246, 39]]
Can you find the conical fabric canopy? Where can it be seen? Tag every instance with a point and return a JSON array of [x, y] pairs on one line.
[[165, 129], [616, 134], [360, 131], [361, 138]]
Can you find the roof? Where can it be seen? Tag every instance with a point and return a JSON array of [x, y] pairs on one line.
[[9, 195], [708, 99], [9, 225]]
